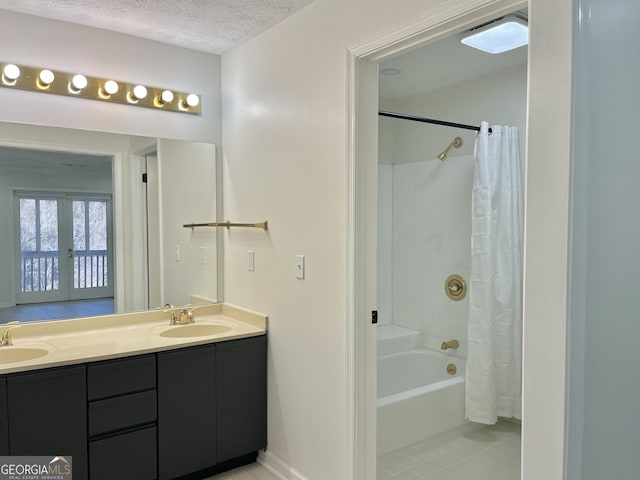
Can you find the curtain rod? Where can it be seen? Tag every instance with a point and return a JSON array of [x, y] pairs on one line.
[[413, 118]]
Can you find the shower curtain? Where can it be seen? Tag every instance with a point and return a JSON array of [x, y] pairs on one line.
[[494, 365]]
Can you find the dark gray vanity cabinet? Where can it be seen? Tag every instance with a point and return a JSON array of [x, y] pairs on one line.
[[122, 418], [4, 418], [191, 412], [241, 397], [186, 411], [47, 412]]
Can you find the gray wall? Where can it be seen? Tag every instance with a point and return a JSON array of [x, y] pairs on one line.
[[604, 378]]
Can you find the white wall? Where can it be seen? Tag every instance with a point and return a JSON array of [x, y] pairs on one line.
[[499, 98], [604, 373], [185, 198], [40, 42], [284, 159]]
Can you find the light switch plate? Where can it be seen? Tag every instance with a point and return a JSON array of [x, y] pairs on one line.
[[251, 260], [300, 267]]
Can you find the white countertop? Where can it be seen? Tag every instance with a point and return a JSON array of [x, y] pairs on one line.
[[113, 336]]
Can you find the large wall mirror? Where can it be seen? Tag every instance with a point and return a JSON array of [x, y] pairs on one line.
[[92, 223]]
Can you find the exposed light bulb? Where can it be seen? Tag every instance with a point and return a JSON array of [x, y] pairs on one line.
[[140, 92], [10, 73], [111, 87], [192, 100], [166, 96], [78, 82], [46, 78]]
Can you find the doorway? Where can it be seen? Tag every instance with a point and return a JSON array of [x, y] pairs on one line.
[[430, 231], [364, 266], [64, 247]]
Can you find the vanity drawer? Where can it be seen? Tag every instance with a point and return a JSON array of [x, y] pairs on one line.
[[119, 377], [122, 412], [129, 456]]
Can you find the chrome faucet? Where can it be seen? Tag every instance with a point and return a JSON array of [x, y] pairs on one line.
[[5, 340], [449, 344]]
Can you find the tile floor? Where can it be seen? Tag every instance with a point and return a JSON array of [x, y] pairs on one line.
[[489, 453], [254, 471]]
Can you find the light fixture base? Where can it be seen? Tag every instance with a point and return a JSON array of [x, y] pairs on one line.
[[63, 84]]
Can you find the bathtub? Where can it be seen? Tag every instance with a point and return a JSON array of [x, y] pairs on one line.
[[417, 398]]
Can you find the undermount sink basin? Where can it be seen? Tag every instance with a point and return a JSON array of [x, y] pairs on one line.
[[194, 330], [20, 354]]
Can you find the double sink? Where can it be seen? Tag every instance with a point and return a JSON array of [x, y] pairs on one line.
[[62, 342]]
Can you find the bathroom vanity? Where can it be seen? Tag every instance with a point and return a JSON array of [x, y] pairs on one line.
[[146, 400]]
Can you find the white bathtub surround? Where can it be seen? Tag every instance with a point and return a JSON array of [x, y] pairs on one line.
[[494, 365], [417, 398], [394, 338], [484, 453], [431, 232]]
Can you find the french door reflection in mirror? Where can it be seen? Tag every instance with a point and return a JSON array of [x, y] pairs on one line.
[[64, 247]]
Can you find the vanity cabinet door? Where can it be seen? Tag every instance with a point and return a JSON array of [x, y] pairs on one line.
[[4, 420], [47, 413], [241, 373], [186, 411]]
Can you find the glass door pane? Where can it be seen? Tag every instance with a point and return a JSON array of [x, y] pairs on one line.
[[90, 267], [39, 262], [40, 274], [91, 247]]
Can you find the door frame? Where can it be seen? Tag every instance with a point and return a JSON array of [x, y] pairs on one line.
[[361, 222], [62, 293], [77, 293]]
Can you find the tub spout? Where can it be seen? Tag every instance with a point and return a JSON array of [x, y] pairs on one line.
[[449, 344]]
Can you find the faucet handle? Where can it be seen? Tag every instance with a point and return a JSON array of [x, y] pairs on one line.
[[186, 316], [6, 339]]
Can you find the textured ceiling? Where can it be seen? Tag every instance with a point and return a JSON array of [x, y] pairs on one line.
[[212, 26]]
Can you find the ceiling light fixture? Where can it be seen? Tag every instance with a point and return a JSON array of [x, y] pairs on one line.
[[44, 80], [391, 71], [499, 36]]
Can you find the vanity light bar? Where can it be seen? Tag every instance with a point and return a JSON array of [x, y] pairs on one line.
[[95, 88]]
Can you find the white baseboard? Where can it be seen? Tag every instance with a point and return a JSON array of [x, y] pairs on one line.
[[7, 304], [279, 467]]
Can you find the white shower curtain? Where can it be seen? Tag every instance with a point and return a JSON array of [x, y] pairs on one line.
[[494, 360]]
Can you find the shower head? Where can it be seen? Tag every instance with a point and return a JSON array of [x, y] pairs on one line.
[[457, 143]]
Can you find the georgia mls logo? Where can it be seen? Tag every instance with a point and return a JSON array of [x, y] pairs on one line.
[[60, 466], [35, 468]]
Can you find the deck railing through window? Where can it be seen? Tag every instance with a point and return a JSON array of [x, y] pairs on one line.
[[40, 270], [90, 269]]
